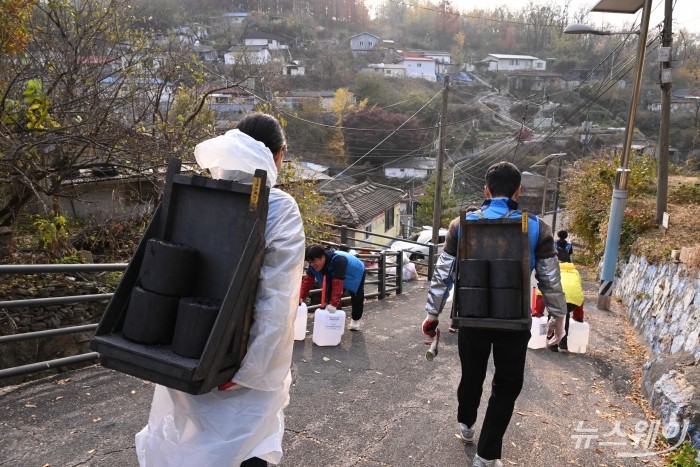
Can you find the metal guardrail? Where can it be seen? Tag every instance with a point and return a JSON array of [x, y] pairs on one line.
[[380, 261], [49, 269], [341, 235]]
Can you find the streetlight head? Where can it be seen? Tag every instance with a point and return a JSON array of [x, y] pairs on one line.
[[577, 28]]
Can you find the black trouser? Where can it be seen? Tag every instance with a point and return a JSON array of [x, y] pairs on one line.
[[509, 351], [254, 462], [357, 300]]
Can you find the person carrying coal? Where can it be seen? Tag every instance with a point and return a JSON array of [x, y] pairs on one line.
[[509, 347]]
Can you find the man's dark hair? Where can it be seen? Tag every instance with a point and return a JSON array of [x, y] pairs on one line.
[[503, 179], [315, 251], [563, 234], [264, 128]]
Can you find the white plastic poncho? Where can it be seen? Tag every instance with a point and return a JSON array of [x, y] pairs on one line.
[[224, 428]]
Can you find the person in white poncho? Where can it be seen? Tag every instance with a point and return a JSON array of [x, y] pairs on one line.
[[241, 422]]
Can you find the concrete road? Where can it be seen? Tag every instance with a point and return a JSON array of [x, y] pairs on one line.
[[374, 400]]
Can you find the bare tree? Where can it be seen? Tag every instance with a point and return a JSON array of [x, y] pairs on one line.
[[89, 89]]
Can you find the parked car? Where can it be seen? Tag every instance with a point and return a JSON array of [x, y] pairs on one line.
[[422, 239]]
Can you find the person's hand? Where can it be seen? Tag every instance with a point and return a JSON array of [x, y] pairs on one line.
[[330, 308], [555, 330], [430, 324]]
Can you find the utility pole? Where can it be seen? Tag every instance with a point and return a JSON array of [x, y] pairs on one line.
[[437, 206], [556, 199], [546, 161], [544, 190], [665, 78], [623, 175]]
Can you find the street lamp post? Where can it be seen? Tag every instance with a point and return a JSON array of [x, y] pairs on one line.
[[577, 28], [622, 176]]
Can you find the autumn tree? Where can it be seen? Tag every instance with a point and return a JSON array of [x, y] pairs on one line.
[[377, 137], [88, 89], [344, 103], [14, 28]]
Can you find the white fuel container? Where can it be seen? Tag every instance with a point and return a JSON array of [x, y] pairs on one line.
[[577, 340], [328, 327], [538, 333], [300, 322]]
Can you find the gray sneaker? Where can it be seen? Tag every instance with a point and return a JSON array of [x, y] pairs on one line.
[[481, 462], [466, 434]]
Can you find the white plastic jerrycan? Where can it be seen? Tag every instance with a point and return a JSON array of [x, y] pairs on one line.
[[577, 339], [328, 327], [538, 333], [300, 322]]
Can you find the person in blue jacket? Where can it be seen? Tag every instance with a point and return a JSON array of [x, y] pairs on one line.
[[343, 271], [509, 347]]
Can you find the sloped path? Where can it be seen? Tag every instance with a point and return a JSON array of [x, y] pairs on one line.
[[373, 400]]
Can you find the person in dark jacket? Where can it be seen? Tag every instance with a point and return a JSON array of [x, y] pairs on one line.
[[343, 271], [509, 348], [565, 250]]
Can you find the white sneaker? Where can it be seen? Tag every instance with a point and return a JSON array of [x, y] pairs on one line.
[[481, 462], [466, 434], [354, 325]]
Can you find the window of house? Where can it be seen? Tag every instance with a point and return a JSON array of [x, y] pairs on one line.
[[362, 43], [368, 231], [538, 65], [389, 219], [419, 65], [370, 43]]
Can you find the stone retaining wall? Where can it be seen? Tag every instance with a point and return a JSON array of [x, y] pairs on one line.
[[29, 319], [663, 304]]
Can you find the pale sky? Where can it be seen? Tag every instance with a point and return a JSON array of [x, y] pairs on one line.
[[686, 13]]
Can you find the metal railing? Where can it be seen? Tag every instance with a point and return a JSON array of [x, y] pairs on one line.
[[51, 269], [340, 233], [379, 264]]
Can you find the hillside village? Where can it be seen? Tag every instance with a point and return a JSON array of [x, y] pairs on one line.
[[363, 204], [337, 82]]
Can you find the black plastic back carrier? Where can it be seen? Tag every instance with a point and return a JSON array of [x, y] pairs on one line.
[[493, 274], [224, 222]]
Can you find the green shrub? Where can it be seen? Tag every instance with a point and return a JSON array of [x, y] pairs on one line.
[[685, 456], [588, 190]]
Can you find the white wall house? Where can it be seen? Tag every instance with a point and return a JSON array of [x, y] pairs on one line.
[[248, 55], [417, 167], [420, 67], [293, 68], [364, 42], [290, 99], [503, 62], [260, 38], [439, 55], [235, 17], [689, 105], [386, 69], [442, 59]]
